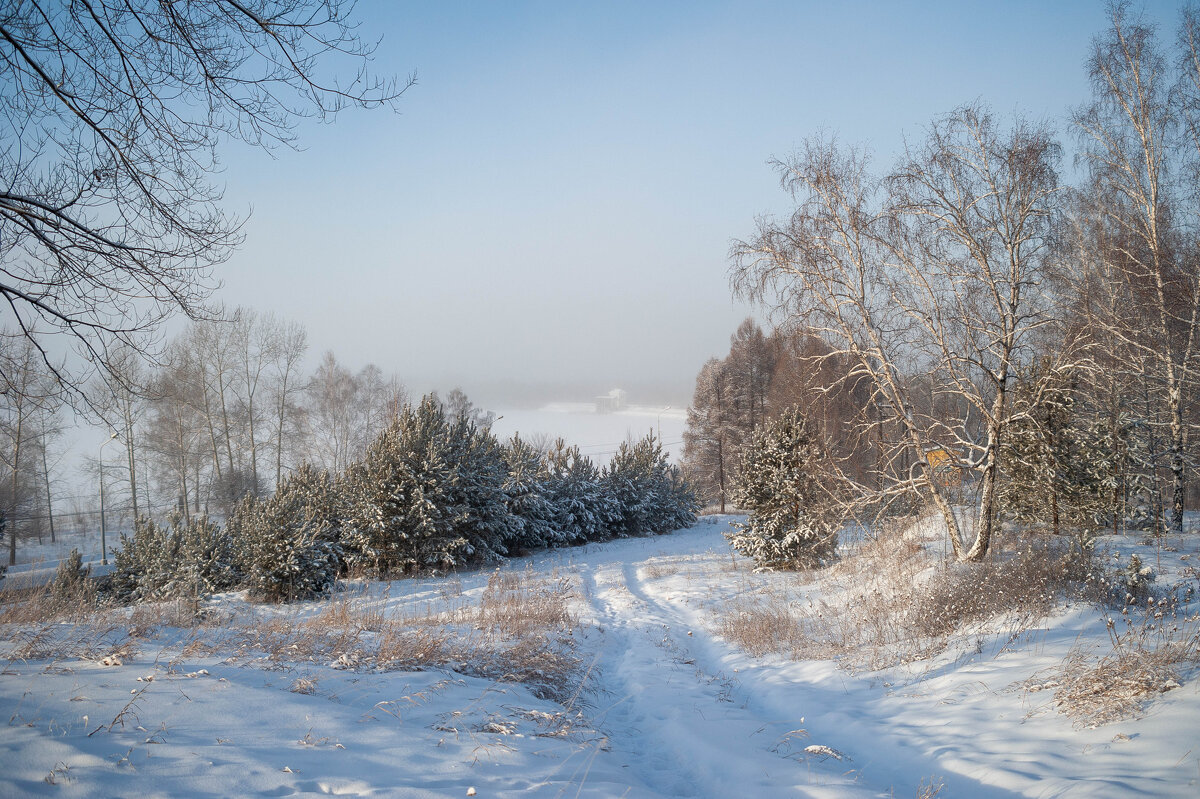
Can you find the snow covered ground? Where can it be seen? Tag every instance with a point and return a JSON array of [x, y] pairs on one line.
[[662, 705], [37, 562]]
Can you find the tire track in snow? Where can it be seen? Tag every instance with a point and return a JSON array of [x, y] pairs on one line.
[[887, 762], [685, 730]]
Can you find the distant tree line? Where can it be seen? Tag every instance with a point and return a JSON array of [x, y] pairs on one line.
[[966, 320], [227, 411]]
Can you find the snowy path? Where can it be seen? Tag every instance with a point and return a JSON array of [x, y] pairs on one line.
[[671, 718], [691, 723]]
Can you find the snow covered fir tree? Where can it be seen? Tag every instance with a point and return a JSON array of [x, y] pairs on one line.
[[794, 519], [287, 546]]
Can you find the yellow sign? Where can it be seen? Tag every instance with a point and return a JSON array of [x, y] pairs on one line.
[[943, 466]]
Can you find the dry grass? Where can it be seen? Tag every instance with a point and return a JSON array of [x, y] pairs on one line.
[[930, 789], [49, 603], [304, 685], [519, 630], [520, 604], [893, 601], [659, 570], [183, 613], [60, 641], [1151, 646], [1021, 586], [767, 626], [58, 621]]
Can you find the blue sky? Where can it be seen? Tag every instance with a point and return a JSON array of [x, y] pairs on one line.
[[555, 201]]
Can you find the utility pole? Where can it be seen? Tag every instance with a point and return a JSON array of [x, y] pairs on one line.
[[103, 531]]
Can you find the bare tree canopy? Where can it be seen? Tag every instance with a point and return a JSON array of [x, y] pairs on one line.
[[931, 279], [1141, 144], [113, 112]]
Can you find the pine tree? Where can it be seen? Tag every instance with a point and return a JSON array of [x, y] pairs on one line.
[[583, 511], [428, 495], [287, 545], [527, 492], [70, 579], [479, 503], [794, 518], [184, 557], [626, 479], [679, 505], [649, 495]]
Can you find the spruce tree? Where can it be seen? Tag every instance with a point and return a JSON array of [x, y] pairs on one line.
[[794, 517], [1057, 469]]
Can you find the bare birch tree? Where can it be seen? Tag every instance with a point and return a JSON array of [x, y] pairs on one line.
[[1138, 134], [119, 401], [29, 398], [287, 387], [175, 432], [933, 271], [346, 410]]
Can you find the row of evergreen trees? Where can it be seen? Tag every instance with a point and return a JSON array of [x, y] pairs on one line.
[[435, 491]]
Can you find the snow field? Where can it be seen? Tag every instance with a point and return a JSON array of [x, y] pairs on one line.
[[660, 704]]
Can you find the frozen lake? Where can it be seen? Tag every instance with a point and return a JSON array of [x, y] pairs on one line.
[[597, 434]]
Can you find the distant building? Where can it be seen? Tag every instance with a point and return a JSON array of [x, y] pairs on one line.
[[612, 401]]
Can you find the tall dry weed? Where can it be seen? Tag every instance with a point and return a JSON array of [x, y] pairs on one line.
[[895, 600], [1151, 646]]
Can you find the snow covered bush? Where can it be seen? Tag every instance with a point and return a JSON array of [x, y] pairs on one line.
[[184, 557], [287, 546], [1134, 581], [794, 516], [583, 510], [649, 494], [527, 493], [428, 495], [71, 579]]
